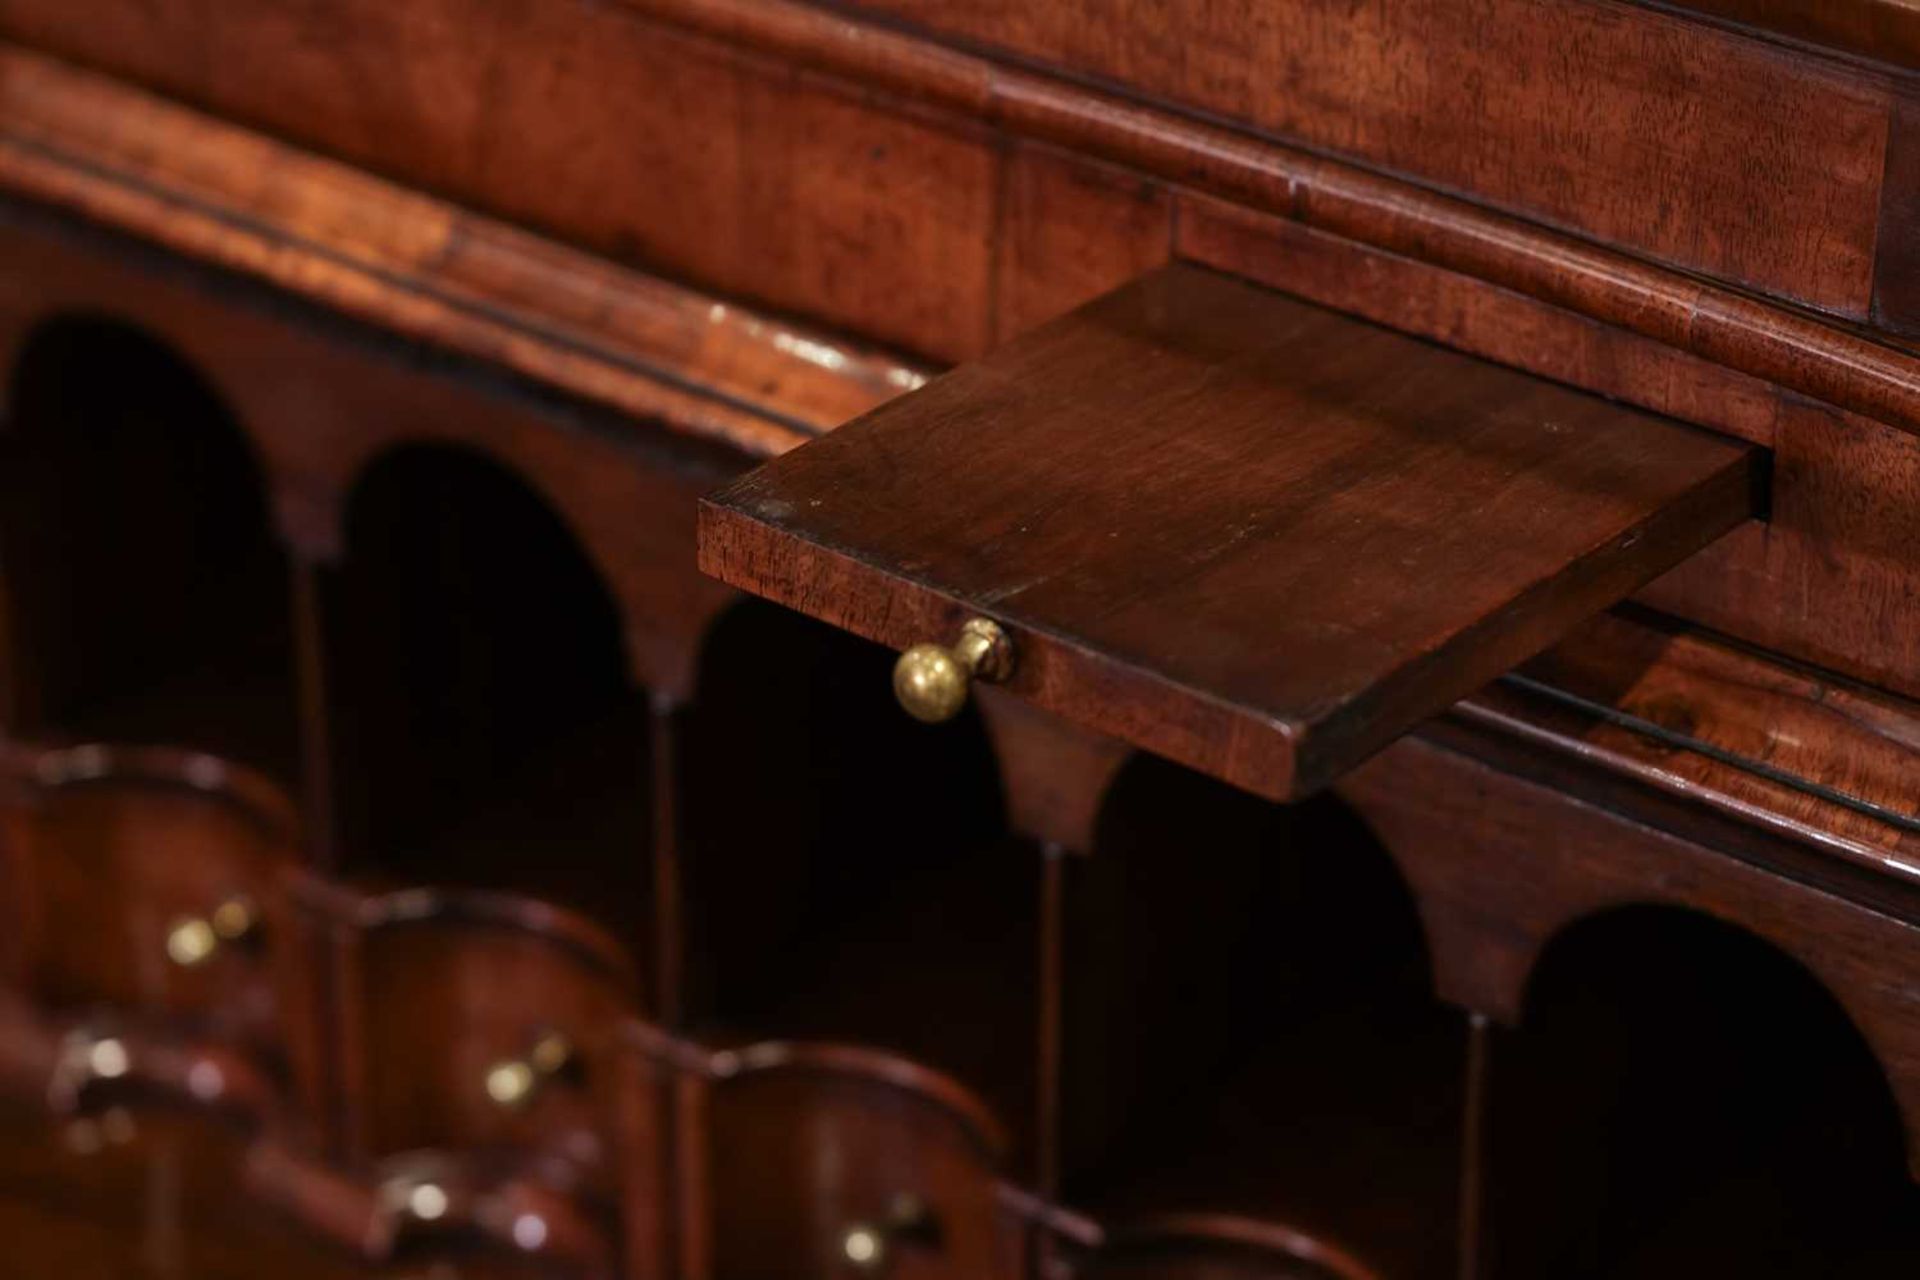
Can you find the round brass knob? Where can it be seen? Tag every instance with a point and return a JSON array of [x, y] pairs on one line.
[[194, 940], [513, 1082], [868, 1246], [864, 1246], [931, 681]]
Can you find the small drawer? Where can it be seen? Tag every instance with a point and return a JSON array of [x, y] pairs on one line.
[[150, 885], [828, 1161], [480, 1023], [432, 1214], [1258, 537]]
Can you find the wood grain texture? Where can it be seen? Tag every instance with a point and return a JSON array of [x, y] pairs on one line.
[[1688, 312], [1884, 30], [426, 126], [1831, 577], [1070, 231], [915, 1157], [1896, 276], [1243, 532], [1466, 314], [423, 267], [1824, 580], [667, 152], [1762, 168], [1788, 750]]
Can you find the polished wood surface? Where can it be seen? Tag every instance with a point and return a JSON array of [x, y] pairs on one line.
[[363, 365], [1162, 490], [920, 110]]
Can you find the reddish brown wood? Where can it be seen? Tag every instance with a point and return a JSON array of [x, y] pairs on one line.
[[436, 988], [1162, 492], [1722, 325], [938, 197], [1493, 893], [918, 1165], [1827, 578], [1790, 347], [1463, 313], [1054, 774], [1886, 30], [424, 267], [1069, 231], [1896, 277], [1562, 110], [1821, 581], [1790, 750], [108, 850], [644, 1138]]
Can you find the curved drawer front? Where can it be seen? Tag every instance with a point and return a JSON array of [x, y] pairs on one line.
[[152, 884], [826, 1161], [479, 1022]]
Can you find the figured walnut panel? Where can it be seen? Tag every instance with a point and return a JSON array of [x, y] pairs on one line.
[[1832, 576], [662, 150], [1678, 140]]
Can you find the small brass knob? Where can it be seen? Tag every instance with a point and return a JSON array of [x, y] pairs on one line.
[[868, 1246], [513, 1082], [865, 1247], [931, 681], [194, 940]]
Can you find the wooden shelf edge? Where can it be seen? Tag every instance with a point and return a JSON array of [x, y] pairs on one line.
[[425, 268]]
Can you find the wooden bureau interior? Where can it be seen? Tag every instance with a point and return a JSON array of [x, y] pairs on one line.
[[740, 638]]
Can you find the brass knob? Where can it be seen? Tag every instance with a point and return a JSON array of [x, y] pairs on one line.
[[864, 1246], [868, 1246], [194, 940], [513, 1082], [931, 681]]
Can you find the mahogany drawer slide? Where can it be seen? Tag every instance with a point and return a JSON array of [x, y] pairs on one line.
[[1256, 536]]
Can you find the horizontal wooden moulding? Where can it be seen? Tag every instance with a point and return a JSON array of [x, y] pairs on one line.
[[1235, 529]]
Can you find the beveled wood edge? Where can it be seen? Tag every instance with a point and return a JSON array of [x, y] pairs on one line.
[[1188, 726], [49, 766], [370, 911], [1796, 813], [425, 268], [1883, 32], [1793, 347], [695, 1058]]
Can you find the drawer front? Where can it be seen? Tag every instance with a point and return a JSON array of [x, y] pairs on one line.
[[152, 885], [826, 1161], [473, 1021]]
